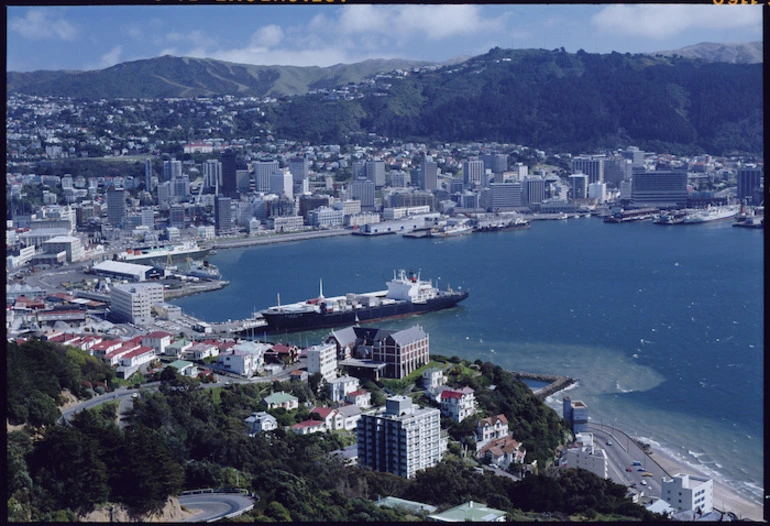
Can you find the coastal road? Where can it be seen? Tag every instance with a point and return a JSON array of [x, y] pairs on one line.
[[214, 506], [622, 454]]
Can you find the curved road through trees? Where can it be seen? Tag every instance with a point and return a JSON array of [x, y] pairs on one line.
[[215, 506]]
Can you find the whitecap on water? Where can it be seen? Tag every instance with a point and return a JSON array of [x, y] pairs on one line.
[[635, 355]]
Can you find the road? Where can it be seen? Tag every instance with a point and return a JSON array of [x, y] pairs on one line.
[[622, 454], [215, 506]]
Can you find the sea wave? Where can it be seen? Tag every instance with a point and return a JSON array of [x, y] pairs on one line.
[[619, 388], [711, 469]]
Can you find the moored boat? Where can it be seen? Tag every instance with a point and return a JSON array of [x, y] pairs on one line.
[[406, 295]]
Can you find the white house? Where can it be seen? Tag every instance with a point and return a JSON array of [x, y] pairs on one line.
[[138, 356], [201, 350], [360, 398], [490, 428], [309, 426], [339, 387], [688, 492], [330, 417], [158, 340], [244, 358], [259, 422], [350, 415], [458, 404]]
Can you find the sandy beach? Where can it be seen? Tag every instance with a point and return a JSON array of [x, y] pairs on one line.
[[725, 498]]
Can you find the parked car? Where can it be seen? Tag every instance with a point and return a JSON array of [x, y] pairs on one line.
[[629, 469], [644, 483], [646, 474], [640, 469]]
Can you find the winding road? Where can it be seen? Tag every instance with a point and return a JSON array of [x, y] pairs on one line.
[[215, 506]]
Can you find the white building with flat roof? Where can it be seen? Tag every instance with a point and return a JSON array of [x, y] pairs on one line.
[[584, 455], [402, 440], [133, 302], [323, 359], [688, 492]]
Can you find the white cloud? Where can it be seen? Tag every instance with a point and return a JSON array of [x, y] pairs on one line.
[[110, 58], [41, 24], [434, 22], [268, 36], [661, 21]]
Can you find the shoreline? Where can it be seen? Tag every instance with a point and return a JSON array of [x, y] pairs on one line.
[[270, 239], [725, 498]]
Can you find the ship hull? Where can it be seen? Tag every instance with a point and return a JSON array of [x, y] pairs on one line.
[[279, 322]]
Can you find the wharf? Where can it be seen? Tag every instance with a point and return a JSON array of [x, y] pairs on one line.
[[556, 382], [269, 239], [189, 289]]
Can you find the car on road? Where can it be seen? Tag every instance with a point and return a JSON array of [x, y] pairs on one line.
[[646, 474], [640, 469], [644, 483], [609, 442], [629, 469], [636, 463]]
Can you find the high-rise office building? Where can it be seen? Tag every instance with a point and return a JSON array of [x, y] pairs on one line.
[[172, 169], [281, 183], [148, 218], [635, 155], [262, 172], [242, 181], [591, 165], [750, 184], [505, 196], [223, 221], [363, 190], [659, 188], [428, 178], [533, 189], [229, 177], [375, 172], [497, 163], [473, 173], [164, 193], [299, 168], [180, 188], [212, 174], [401, 440], [176, 216], [579, 185], [148, 175], [116, 207]]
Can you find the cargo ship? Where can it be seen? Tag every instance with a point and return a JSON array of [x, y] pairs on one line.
[[712, 213], [406, 295], [161, 254]]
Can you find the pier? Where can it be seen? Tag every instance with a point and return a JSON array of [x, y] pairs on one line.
[[555, 382]]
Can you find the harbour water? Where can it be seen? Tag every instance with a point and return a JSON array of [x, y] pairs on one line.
[[662, 325]]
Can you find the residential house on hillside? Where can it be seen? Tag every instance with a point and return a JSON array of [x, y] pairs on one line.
[[244, 358], [490, 428], [178, 347], [281, 399], [458, 404], [360, 398], [185, 368], [259, 422], [309, 426], [502, 452], [350, 415], [339, 387], [201, 350], [330, 417], [158, 340]]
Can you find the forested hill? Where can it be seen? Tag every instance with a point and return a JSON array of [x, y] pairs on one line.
[[555, 99], [169, 76]]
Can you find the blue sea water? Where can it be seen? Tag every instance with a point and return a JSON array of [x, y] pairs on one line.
[[662, 325]]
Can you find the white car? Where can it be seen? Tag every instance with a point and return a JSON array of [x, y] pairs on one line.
[[643, 483]]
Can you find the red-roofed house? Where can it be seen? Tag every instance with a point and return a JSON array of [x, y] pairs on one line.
[[330, 417], [362, 398], [308, 426], [138, 356], [113, 357], [283, 354], [105, 346], [490, 428], [503, 451], [458, 404]]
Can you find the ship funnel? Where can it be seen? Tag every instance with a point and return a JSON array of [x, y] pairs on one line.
[[320, 289]]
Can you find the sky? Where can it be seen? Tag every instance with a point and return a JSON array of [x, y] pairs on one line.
[[96, 37]]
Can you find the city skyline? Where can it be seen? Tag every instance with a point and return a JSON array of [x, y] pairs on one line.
[[96, 37]]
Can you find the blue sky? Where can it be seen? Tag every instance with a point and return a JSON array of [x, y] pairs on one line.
[[95, 37]]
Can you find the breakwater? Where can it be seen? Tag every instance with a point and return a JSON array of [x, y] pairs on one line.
[[555, 382], [269, 239]]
